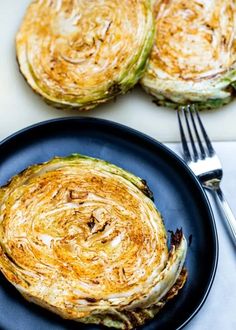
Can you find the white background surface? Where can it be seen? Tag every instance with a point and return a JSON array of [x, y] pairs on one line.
[[20, 107]]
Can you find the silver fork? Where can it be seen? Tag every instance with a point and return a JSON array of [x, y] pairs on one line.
[[202, 159]]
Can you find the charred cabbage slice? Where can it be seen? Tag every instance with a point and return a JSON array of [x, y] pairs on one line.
[[79, 54], [194, 55], [82, 238]]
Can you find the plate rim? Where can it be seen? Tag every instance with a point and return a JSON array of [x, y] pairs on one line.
[[170, 154]]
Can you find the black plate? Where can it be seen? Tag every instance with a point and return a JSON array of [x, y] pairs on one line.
[[177, 193]]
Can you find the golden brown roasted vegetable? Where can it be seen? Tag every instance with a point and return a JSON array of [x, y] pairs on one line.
[[82, 238], [194, 55], [79, 54]]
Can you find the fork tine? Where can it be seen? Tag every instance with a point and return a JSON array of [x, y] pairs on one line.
[[186, 151], [206, 138], [192, 113], [186, 111]]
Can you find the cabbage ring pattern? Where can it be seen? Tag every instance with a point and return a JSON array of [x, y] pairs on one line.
[[79, 54], [82, 238]]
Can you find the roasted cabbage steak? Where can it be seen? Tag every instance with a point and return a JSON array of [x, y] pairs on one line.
[[193, 60], [83, 238], [79, 54]]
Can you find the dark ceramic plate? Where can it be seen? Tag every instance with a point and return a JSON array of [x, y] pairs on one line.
[[177, 193]]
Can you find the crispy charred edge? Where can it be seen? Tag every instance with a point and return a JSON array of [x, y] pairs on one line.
[[146, 190], [138, 317], [210, 105], [176, 237]]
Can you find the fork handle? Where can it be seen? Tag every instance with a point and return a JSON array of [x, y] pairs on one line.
[[230, 218]]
